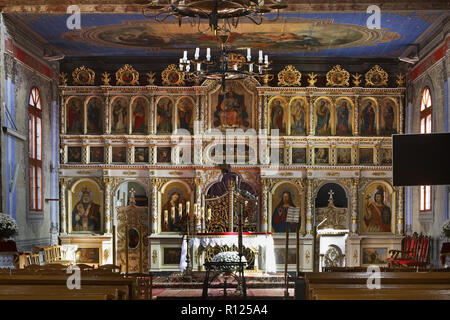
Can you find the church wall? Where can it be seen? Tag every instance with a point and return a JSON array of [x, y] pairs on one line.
[[24, 69], [435, 75]]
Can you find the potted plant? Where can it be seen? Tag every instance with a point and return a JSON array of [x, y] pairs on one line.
[[8, 227]]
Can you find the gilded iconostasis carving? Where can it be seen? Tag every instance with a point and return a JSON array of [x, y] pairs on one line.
[[334, 134]]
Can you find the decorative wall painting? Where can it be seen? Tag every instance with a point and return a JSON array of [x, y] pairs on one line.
[[95, 116]]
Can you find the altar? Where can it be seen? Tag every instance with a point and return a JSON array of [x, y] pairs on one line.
[[258, 248]]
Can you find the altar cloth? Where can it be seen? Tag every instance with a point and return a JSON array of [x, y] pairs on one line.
[[249, 240]]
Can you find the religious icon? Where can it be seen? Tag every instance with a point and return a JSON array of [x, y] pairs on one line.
[[277, 109], [74, 154], [119, 116], [231, 110], [163, 154], [344, 156], [322, 118], [96, 154], [280, 212], [299, 155], [75, 115], [119, 154], [366, 156], [385, 156], [141, 154], [138, 116], [86, 213], [172, 255], [172, 218], [344, 119], [387, 126], [298, 117], [377, 215], [367, 119], [95, 116], [185, 109], [165, 113], [374, 256], [133, 238], [321, 156], [87, 255]]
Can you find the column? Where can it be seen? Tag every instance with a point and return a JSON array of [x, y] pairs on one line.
[[155, 184], [63, 225], [62, 125], [107, 128], [107, 182], [401, 120], [400, 211], [264, 209], [198, 200], [130, 154], [309, 200], [356, 115], [354, 208], [311, 115]]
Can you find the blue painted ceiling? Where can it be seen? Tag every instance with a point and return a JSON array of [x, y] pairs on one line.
[[294, 34]]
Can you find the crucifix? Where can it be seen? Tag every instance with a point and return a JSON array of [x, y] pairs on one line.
[[331, 193]]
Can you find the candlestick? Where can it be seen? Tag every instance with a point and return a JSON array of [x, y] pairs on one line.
[[185, 56], [249, 55], [266, 59], [199, 67], [260, 60], [208, 54], [181, 64], [197, 53]]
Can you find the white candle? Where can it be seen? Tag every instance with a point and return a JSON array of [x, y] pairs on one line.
[[249, 55], [181, 64], [260, 69], [266, 59], [199, 67], [185, 56], [260, 56], [188, 67], [235, 67], [250, 67], [208, 54], [197, 53]]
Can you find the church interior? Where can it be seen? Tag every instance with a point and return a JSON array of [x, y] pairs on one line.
[[220, 148]]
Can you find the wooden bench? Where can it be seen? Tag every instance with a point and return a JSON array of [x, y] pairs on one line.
[[394, 286]]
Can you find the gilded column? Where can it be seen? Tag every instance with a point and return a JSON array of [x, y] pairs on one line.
[[64, 153], [311, 115], [63, 183], [130, 153], [264, 208], [401, 120], [85, 152], [198, 200], [400, 210], [107, 182], [108, 153], [309, 207], [62, 125], [356, 115], [107, 128], [156, 184], [354, 228]]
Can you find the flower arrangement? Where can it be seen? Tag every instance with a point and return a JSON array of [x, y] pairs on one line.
[[8, 226], [227, 256], [446, 229]]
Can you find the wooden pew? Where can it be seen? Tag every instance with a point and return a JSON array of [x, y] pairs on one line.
[[394, 285]]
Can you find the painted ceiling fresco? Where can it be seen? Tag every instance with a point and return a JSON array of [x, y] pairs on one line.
[[309, 34]]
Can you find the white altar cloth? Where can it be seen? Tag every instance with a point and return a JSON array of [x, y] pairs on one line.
[[263, 240]]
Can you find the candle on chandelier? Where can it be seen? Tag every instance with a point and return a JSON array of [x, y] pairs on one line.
[[235, 67], [266, 60], [185, 56], [199, 67], [197, 53], [181, 64], [208, 54], [188, 66], [249, 55], [260, 59], [250, 67]]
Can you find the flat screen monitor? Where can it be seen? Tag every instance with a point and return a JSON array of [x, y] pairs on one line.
[[421, 159]]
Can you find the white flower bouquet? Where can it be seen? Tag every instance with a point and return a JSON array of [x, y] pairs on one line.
[[228, 256], [446, 229], [8, 226]]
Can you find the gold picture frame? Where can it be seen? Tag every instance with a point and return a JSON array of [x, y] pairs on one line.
[[376, 77], [289, 77], [171, 76], [338, 77], [83, 76], [127, 76]]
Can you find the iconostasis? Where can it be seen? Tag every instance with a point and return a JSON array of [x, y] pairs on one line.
[[166, 138]]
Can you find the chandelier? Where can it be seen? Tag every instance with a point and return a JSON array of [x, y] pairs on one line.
[[228, 65], [213, 11]]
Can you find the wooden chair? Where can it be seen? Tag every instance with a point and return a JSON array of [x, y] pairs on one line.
[[415, 252]]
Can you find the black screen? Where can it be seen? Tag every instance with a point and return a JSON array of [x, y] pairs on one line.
[[421, 159]]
